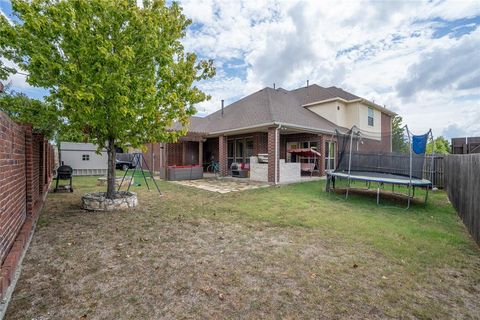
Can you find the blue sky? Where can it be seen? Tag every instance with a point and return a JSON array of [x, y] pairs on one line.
[[420, 59]]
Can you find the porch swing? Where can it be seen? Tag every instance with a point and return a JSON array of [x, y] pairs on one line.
[[308, 167]]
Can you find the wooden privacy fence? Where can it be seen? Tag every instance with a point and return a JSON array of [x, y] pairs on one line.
[[462, 183], [435, 173]]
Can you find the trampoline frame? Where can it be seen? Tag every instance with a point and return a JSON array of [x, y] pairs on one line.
[[368, 176]]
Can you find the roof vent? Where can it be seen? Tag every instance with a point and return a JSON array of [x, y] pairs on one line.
[[222, 107]]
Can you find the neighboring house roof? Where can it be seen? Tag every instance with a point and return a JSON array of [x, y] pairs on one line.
[[274, 106], [197, 125]]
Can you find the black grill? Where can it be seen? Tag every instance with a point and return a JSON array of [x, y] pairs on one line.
[[64, 173]]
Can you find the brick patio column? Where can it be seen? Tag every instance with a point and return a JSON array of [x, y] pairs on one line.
[[184, 153], [200, 152], [323, 152], [222, 155], [273, 155]]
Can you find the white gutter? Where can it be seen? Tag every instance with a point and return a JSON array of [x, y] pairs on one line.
[[242, 128], [275, 123]]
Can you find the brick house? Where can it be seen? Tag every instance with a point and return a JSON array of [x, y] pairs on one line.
[[274, 121]]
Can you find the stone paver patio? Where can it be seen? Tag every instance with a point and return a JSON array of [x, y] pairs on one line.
[[222, 185]]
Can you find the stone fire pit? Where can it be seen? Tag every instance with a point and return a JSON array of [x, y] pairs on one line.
[[97, 201]]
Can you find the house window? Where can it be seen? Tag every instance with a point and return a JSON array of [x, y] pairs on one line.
[[85, 157], [239, 150], [329, 155], [239, 144], [230, 152], [370, 117]]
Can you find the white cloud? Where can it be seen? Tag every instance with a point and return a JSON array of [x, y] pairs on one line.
[[379, 50], [17, 80]]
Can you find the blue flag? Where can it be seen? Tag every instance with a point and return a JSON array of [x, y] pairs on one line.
[[419, 143]]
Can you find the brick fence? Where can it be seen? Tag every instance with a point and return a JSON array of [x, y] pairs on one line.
[[26, 169]]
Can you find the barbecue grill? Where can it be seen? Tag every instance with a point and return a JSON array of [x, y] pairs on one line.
[[64, 173]]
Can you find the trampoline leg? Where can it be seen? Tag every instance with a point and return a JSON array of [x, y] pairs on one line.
[[426, 197], [348, 188], [409, 198], [378, 195]]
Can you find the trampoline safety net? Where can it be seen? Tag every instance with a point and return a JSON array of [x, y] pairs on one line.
[[395, 153]]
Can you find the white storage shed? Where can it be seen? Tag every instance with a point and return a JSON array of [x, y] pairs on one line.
[[82, 157]]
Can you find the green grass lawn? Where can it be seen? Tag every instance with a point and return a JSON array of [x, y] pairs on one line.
[[280, 252]]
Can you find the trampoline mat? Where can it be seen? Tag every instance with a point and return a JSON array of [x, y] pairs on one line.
[[381, 177]]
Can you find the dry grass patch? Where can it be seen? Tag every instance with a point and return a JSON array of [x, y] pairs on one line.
[[290, 252]]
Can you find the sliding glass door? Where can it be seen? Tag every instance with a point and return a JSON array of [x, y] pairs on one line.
[[329, 155], [239, 150]]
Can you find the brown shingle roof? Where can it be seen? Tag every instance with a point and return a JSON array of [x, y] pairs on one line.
[[269, 106]]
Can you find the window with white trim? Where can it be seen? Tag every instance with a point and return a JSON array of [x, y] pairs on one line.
[[329, 155], [370, 116], [85, 157]]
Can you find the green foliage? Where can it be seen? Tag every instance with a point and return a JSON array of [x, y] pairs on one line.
[[442, 146], [118, 70], [399, 140], [4, 70], [43, 116]]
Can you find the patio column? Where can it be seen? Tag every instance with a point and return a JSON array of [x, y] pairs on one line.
[[273, 155], [184, 153], [323, 152], [222, 155], [200, 152]]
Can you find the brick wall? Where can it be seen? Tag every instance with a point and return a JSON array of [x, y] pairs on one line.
[[12, 183], [26, 168], [222, 155], [272, 138]]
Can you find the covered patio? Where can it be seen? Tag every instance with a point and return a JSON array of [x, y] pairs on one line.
[[274, 154]]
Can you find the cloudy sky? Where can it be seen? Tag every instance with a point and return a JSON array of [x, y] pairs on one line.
[[420, 59]]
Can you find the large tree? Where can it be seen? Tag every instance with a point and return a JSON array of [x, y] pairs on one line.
[[439, 145], [118, 70], [399, 139]]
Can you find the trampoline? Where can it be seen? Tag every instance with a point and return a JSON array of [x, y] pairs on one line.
[[372, 158], [382, 178]]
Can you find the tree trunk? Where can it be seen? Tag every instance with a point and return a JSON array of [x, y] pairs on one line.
[[111, 168]]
